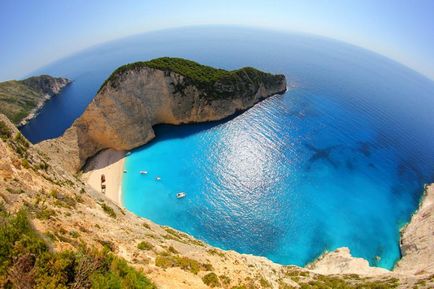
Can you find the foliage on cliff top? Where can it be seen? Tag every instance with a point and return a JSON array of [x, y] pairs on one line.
[[26, 262], [200, 75]]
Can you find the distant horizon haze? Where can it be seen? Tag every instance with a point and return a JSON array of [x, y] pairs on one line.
[[35, 34]]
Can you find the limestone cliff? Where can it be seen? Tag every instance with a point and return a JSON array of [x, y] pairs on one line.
[[166, 90], [20, 100], [417, 239]]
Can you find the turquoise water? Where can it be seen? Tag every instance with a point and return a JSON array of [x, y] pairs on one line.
[[339, 160]]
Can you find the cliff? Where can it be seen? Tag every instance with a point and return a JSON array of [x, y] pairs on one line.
[[70, 216], [417, 238], [20, 100], [165, 90]]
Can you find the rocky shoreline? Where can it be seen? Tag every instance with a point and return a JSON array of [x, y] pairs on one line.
[[54, 90], [417, 238]]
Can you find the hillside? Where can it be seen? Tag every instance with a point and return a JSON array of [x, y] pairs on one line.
[[21, 99]]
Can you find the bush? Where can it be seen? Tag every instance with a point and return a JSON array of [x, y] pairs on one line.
[[211, 280], [173, 250], [185, 263], [145, 246], [108, 210], [26, 262], [5, 131]]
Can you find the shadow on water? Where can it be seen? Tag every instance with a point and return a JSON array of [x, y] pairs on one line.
[[321, 154], [170, 131]]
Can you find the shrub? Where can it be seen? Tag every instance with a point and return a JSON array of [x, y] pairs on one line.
[[173, 250], [168, 261], [264, 283], [26, 262], [5, 131], [108, 210], [211, 280], [145, 246]]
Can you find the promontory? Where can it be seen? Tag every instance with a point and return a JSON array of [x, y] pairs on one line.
[[165, 90], [20, 100]]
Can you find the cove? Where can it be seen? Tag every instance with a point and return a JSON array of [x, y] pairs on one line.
[[339, 160]]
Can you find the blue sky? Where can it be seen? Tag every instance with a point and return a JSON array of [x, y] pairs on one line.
[[35, 33]]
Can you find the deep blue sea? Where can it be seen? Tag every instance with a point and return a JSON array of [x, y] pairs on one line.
[[339, 160]]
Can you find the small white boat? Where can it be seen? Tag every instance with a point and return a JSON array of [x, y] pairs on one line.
[[143, 172], [128, 153], [180, 195], [158, 178]]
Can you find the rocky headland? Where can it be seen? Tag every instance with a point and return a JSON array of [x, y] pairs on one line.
[[20, 100], [164, 90]]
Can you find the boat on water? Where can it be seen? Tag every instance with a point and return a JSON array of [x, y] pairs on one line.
[[125, 171], [180, 195], [158, 178], [143, 172]]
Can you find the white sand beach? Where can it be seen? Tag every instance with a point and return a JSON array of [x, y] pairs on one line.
[[109, 163]]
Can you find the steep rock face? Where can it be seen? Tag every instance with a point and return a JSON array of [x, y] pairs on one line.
[[20, 100], [417, 239], [46, 84], [123, 112]]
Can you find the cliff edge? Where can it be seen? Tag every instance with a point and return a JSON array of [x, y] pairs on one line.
[[164, 90], [417, 239]]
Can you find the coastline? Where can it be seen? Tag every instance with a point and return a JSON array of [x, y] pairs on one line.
[[35, 111], [41, 103], [416, 242], [109, 163]]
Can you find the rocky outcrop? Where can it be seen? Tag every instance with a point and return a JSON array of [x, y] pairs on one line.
[[46, 84], [417, 239], [21, 100], [341, 261], [137, 97]]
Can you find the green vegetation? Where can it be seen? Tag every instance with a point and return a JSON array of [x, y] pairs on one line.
[[108, 210], [172, 250], [26, 262], [330, 282], [225, 279], [216, 252], [211, 280], [145, 246], [264, 283], [166, 260], [213, 81], [19, 98], [169, 261], [5, 131]]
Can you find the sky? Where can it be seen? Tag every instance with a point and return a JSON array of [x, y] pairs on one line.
[[35, 33]]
